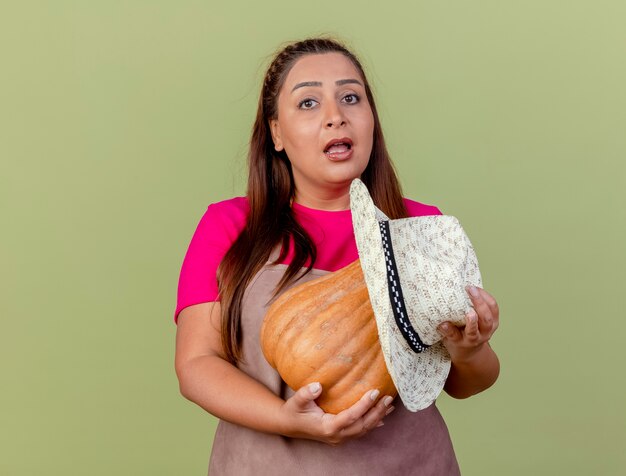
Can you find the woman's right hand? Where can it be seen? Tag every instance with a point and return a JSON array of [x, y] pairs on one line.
[[304, 419]]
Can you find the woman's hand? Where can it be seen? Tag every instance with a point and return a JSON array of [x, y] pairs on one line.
[[475, 366], [463, 343], [304, 419]]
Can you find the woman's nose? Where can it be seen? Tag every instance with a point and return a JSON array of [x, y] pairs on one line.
[[334, 116]]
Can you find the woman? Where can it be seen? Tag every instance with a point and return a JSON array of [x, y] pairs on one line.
[[316, 130]]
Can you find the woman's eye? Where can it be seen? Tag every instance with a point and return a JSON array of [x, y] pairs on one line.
[[351, 98], [306, 103]]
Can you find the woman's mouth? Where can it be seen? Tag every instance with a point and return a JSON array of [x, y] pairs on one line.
[[339, 149]]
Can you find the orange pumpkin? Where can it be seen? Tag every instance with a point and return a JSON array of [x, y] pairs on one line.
[[324, 331]]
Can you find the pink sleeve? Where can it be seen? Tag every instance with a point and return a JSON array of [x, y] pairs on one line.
[[218, 229], [417, 209]]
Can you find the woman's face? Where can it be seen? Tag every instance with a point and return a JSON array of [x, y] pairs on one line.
[[323, 99]]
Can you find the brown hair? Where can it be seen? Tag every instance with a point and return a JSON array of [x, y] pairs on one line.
[[270, 189]]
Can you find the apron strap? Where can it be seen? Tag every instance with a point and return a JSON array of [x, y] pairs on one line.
[[274, 254]]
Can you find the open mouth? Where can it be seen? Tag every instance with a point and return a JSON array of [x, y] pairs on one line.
[[338, 148]]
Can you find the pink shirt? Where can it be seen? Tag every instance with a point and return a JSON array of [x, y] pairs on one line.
[[220, 225]]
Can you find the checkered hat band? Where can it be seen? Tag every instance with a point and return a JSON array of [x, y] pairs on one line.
[[395, 294]]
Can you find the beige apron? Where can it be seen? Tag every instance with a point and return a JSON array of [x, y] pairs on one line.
[[408, 444]]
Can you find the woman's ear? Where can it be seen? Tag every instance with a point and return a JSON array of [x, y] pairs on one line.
[[275, 131]]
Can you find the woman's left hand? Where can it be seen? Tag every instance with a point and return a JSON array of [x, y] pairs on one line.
[[480, 324]]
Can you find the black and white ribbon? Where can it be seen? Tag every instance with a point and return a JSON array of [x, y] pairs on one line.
[[395, 294]]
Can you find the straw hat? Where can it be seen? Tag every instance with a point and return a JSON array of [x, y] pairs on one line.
[[416, 270]]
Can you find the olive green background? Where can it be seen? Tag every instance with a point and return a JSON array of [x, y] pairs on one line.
[[121, 121]]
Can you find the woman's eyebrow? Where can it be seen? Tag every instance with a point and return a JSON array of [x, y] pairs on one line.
[[339, 82]]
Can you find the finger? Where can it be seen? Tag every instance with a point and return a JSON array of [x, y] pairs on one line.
[[373, 418], [476, 296], [485, 322], [305, 395], [450, 332], [493, 306], [471, 327], [488, 321], [485, 315], [349, 416]]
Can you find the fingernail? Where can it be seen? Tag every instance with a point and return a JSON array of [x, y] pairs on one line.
[[379, 424], [387, 401], [314, 387], [374, 394], [390, 410], [473, 290], [471, 314], [445, 327]]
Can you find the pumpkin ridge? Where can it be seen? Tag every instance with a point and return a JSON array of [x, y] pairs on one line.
[[304, 351], [349, 381], [291, 344], [302, 319], [365, 337], [349, 390]]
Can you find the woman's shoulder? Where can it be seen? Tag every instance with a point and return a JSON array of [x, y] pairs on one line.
[[232, 210], [225, 218], [236, 205], [419, 209]]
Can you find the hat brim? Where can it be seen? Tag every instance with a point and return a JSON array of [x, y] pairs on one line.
[[419, 377]]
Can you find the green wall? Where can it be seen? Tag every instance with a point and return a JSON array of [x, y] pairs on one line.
[[121, 121]]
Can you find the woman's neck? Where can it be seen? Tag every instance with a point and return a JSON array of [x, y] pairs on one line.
[[331, 200]]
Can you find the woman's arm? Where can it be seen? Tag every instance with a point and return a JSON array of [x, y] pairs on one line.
[[207, 379], [475, 366]]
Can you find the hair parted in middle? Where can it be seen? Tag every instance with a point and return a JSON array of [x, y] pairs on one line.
[[271, 188]]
